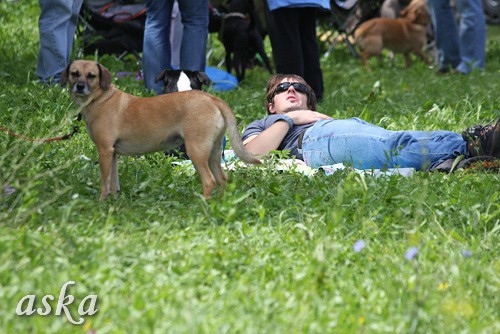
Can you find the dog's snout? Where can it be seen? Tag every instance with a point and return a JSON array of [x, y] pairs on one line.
[[80, 86]]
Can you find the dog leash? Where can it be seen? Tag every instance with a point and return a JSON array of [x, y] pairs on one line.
[[48, 140]]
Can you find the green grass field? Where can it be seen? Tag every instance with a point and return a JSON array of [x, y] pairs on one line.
[[276, 252]]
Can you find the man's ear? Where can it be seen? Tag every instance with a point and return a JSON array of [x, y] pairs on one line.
[[270, 108]]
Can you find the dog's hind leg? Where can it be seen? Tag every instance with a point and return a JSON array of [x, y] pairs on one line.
[[200, 159], [217, 171], [215, 163], [206, 176], [239, 65]]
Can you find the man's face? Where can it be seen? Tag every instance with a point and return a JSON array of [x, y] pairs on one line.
[[290, 98]]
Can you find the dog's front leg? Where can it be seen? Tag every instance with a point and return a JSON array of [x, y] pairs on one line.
[[365, 57], [115, 183], [105, 163]]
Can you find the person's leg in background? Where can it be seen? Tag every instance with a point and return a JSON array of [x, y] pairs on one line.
[[57, 26], [292, 32], [284, 34], [156, 50], [194, 14], [176, 36], [310, 51], [472, 32], [445, 34]]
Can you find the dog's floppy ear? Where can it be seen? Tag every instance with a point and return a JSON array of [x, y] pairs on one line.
[[104, 77], [169, 78], [202, 77], [163, 74], [65, 75]]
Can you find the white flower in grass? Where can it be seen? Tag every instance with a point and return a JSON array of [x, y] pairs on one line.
[[411, 253], [358, 245]]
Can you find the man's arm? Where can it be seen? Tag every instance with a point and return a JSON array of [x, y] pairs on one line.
[[271, 138], [268, 140]]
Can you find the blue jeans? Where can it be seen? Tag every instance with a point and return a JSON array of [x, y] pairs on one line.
[[365, 146], [56, 25], [157, 52], [463, 47]]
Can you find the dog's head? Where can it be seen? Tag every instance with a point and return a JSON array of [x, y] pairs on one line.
[[180, 80], [87, 80], [416, 12]]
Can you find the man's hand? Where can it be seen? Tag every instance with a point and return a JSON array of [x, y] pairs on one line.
[[301, 117]]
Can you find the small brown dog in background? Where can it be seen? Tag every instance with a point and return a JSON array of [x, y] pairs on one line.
[[405, 35], [120, 123]]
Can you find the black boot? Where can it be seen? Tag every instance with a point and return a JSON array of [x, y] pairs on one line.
[[483, 140]]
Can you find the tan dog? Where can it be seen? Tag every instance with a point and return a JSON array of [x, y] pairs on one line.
[[119, 123], [402, 35]]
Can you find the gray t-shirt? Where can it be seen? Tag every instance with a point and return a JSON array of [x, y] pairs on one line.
[[290, 140]]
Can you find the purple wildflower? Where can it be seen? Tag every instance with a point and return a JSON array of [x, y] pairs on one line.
[[466, 253], [8, 189], [358, 246], [411, 253]]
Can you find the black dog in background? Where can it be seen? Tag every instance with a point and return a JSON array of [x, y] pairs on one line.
[[241, 37], [179, 80]]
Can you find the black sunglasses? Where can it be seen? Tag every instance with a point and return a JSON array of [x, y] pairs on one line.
[[283, 87]]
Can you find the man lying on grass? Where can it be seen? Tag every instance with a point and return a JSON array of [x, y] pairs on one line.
[[319, 140]]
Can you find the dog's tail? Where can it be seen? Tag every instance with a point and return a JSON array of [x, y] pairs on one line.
[[234, 135]]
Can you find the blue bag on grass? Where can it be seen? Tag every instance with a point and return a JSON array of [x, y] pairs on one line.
[[221, 80]]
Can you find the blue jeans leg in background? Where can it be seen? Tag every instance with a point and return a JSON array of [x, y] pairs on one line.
[[156, 55], [446, 33], [462, 47], [472, 32], [366, 146], [57, 26], [194, 14]]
